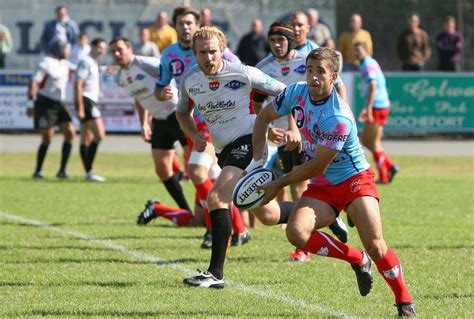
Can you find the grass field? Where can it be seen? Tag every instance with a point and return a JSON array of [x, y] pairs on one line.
[[73, 249]]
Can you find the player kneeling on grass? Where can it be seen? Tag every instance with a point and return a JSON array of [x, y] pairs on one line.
[[340, 177]]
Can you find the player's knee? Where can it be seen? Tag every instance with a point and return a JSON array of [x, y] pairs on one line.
[[162, 172], [376, 249], [265, 216], [69, 135], [214, 199], [295, 236], [197, 173]]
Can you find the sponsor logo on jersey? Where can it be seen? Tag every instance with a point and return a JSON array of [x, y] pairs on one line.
[[217, 106], [139, 77], [332, 137], [176, 67], [279, 100], [298, 115], [234, 85], [196, 89], [214, 85], [285, 70], [301, 69], [392, 273]]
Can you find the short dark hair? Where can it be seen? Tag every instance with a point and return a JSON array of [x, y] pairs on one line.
[[183, 10], [325, 54], [97, 41], [60, 7], [124, 39]]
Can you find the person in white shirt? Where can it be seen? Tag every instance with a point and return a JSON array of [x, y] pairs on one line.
[[146, 47], [86, 97], [48, 85], [137, 76], [221, 91], [81, 49]]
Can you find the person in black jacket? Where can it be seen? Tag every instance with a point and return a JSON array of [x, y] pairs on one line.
[[253, 46]]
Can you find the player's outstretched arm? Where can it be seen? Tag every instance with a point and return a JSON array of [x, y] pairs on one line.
[[259, 137]]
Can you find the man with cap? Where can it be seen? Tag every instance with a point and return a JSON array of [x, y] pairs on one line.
[[48, 88], [288, 65]]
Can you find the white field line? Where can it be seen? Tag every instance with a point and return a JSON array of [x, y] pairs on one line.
[[186, 270]]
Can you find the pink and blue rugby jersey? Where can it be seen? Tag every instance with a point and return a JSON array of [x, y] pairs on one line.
[[329, 123], [371, 71]]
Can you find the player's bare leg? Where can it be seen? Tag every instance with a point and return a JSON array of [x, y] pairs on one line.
[[163, 160], [365, 213]]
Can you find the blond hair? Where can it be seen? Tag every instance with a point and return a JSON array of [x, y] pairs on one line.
[[207, 33]]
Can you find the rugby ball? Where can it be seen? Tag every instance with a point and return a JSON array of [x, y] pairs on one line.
[[245, 196]]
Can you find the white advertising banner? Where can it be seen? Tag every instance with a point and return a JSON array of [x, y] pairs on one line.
[[118, 111]]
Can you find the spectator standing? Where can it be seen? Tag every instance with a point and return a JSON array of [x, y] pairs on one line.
[[6, 43], [413, 47], [319, 32], [62, 28], [81, 49], [145, 47], [347, 40], [450, 44], [206, 17], [161, 33], [253, 46]]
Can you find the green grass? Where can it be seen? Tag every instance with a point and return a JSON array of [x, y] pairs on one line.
[[56, 271]]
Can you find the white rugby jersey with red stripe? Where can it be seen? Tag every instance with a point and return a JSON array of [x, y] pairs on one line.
[[52, 75], [224, 99]]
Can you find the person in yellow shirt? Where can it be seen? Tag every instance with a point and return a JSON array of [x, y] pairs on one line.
[[162, 33], [347, 39]]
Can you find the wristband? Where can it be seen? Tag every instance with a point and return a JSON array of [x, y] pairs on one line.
[[30, 104]]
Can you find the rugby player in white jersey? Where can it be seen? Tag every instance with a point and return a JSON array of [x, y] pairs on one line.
[[202, 166], [221, 92], [288, 66], [86, 97], [137, 77], [48, 89]]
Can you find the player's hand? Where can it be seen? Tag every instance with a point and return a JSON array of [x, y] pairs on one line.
[[146, 133], [30, 112], [199, 142], [166, 93], [363, 115], [370, 117], [293, 140], [271, 191], [276, 135]]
